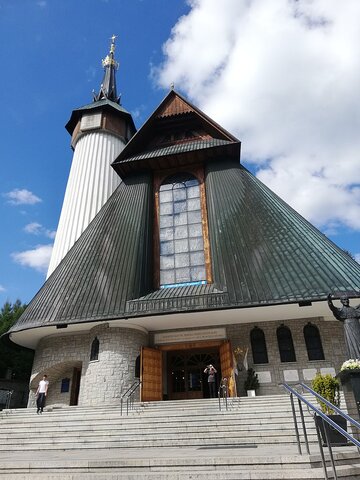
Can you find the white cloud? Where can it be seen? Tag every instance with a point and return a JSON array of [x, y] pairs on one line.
[[41, 3], [284, 77], [21, 197], [34, 228], [37, 258], [2, 289], [37, 229]]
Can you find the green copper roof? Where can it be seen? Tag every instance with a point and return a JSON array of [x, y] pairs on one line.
[[262, 253], [177, 149], [103, 104]]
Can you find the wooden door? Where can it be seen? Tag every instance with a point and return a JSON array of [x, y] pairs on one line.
[[227, 368], [151, 374], [75, 386]]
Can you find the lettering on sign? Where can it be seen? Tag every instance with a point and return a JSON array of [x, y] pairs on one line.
[[190, 336], [89, 121]]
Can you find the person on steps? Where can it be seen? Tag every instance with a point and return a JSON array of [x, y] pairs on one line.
[[211, 371], [41, 393]]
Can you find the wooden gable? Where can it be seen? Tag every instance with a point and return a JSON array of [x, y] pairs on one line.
[[173, 132]]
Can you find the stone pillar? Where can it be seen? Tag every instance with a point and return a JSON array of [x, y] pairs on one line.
[[104, 380]]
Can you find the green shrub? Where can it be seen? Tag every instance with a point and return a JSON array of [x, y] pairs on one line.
[[252, 381], [328, 387]]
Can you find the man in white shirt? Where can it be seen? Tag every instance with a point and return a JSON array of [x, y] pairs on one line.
[[41, 393]]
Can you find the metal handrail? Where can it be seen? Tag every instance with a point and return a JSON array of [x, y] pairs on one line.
[[223, 393], [126, 394], [336, 409], [8, 395], [326, 422], [130, 398]]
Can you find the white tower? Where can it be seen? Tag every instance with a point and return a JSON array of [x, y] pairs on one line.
[[99, 133]]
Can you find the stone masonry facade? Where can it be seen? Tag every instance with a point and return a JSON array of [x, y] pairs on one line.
[[303, 370], [102, 380]]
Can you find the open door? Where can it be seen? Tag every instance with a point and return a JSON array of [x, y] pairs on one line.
[[75, 386], [151, 374], [227, 368]]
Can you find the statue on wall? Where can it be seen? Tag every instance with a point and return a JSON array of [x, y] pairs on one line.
[[350, 317]]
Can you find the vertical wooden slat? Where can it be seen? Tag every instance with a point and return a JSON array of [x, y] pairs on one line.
[[227, 370], [151, 374]]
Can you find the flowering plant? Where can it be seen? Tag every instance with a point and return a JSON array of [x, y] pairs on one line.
[[352, 364]]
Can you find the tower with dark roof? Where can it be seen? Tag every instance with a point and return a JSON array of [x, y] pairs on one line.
[[99, 131], [189, 259]]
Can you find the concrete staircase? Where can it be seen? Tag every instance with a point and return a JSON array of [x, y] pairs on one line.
[[192, 439]]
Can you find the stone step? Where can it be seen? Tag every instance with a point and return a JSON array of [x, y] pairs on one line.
[[224, 469], [183, 428], [143, 444], [149, 409], [78, 443]]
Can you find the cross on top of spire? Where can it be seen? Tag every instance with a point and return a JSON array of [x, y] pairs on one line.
[[108, 85]]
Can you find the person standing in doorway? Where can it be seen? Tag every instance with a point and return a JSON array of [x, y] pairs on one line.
[[211, 371], [41, 393]]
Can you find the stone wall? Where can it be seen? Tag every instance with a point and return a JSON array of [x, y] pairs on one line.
[[276, 372], [102, 380], [105, 379], [303, 370]]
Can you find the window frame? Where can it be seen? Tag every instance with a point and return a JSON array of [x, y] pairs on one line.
[[159, 177], [256, 342], [319, 347], [94, 350], [283, 352]]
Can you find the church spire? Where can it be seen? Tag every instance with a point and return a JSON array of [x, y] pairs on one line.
[[108, 85]]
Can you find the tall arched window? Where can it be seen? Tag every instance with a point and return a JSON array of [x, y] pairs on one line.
[[313, 342], [94, 354], [258, 346], [137, 367], [182, 256], [285, 344]]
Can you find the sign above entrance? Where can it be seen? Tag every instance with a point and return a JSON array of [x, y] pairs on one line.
[[190, 336]]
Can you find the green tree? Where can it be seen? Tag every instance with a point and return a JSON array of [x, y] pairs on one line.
[[17, 359]]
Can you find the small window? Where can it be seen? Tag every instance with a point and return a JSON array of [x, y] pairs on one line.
[[137, 367], [258, 346], [94, 355], [285, 344], [313, 342], [65, 385]]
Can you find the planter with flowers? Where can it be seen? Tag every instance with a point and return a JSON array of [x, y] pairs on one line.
[[350, 379], [349, 367]]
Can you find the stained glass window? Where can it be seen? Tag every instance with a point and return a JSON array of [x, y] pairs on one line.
[[182, 258]]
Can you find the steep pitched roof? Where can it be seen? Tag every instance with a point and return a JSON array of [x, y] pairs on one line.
[[262, 251], [158, 137]]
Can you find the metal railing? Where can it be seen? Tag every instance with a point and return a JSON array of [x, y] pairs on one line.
[[129, 396], [223, 393], [5, 397], [326, 422]]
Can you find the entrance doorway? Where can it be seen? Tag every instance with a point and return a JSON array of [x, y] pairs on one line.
[[176, 371], [186, 377]]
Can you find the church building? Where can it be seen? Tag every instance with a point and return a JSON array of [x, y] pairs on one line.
[[169, 256]]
